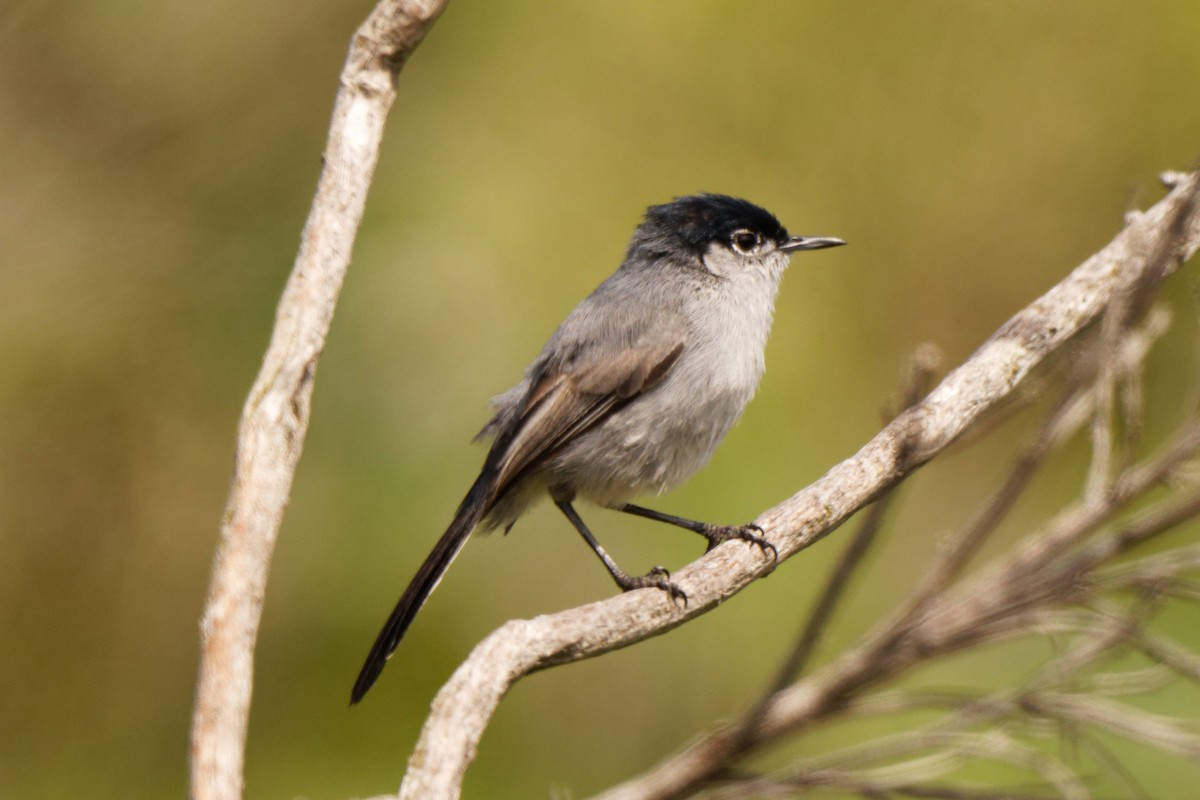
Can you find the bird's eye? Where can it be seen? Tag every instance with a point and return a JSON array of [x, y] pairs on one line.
[[744, 241]]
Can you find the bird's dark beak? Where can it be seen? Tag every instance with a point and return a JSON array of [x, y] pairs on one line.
[[809, 243]]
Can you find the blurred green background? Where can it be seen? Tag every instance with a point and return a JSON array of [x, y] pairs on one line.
[[158, 162]]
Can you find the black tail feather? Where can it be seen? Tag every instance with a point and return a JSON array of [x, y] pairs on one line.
[[470, 512]]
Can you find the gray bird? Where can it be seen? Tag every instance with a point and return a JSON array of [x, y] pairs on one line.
[[633, 391]]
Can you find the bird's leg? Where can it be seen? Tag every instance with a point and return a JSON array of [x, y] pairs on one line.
[[658, 578], [714, 533]]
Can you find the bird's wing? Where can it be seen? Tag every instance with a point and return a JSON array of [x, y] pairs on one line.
[[569, 398]]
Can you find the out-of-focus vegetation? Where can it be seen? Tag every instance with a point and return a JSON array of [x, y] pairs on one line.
[[157, 164]]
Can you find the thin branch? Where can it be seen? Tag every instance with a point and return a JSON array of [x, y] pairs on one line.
[[951, 749], [1166, 733], [1163, 570], [1130, 682], [783, 787], [1107, 631], [1101, 472], [276, 413], [1034, 572], [1169, 653], [1158, 519]]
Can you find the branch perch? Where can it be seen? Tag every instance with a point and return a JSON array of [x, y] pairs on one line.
[[1149, 248], [275, 416]]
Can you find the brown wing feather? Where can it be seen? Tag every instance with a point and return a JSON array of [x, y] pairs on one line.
[[563, 405]]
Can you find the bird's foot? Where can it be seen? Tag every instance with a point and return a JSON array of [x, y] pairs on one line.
[[657, 578], [716, 534]]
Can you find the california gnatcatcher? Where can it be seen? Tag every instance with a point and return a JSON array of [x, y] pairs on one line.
[[633, 391]]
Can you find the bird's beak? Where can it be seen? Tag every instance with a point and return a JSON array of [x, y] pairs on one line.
[[809, 243]]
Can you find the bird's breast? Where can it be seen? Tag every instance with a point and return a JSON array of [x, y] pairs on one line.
[[660, 438]]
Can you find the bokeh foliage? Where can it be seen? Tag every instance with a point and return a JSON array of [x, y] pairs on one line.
[[157, 164]]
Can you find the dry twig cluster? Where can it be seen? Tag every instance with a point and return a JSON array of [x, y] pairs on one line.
[[1072, 580]]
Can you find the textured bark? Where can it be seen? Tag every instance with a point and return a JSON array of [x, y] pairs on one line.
[[275, 417]]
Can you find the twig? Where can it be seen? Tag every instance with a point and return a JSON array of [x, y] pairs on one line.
[[1168, 653], [1101, 471], [782, 787], [1165, 733], [1162, 570], [951, 748], [1130, 682], [275, 416], [1033, 572]]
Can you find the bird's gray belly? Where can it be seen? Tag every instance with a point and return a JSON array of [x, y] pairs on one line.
[[649, 446]]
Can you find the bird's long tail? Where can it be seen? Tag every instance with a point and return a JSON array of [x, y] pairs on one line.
[[474, 506]]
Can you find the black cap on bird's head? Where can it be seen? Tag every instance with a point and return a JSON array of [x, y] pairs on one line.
[[693, 223], [696, 222]]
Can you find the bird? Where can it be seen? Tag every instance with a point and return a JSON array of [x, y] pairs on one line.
[[631, 394]]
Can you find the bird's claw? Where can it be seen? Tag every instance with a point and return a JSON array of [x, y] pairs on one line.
[[657, 578], [751, 533]]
